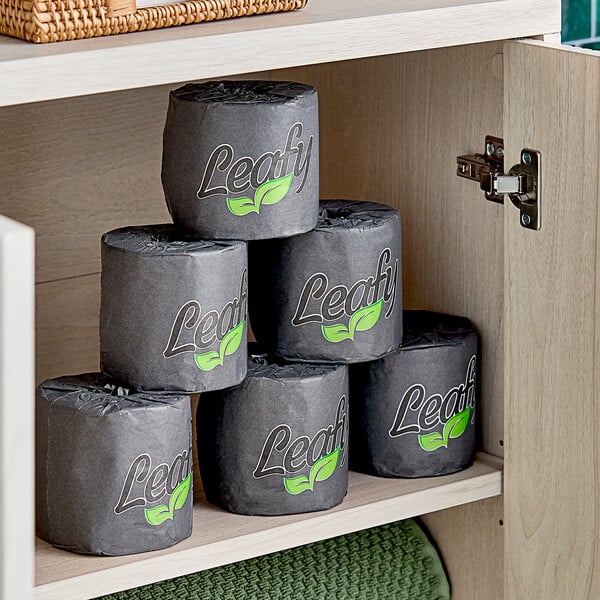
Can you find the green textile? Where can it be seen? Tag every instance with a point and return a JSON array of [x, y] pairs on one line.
[[392, 562]]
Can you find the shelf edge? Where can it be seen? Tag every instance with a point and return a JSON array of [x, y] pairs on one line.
[[316, 527], [124, 66]]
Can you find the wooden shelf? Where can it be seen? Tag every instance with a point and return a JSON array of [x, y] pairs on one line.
[[325, 31], [220, 538]]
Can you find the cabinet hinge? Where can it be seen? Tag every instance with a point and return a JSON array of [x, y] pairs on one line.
[[522, 183]]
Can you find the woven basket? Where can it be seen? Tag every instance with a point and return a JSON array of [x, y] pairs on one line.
[[59, 20]]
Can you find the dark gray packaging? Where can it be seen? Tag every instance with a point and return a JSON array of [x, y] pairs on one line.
[[241, 159], [113, 467], [278, 443], [333, 294], [413, 411], [173, 311]]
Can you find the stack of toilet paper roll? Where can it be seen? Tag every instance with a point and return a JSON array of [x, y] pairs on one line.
[[279, 424]]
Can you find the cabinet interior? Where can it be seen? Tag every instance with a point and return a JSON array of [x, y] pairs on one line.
[[391, 128]]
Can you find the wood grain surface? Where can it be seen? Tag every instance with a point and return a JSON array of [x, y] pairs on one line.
[[16, 411], [95, 167], [325, 31], [221, 538], [391, 129], [551, 290]]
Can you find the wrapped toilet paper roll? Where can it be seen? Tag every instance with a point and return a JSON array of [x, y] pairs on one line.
[[241, 159], [278, 443], [113, 467], [173, 312], [333, 294], [413, 412]]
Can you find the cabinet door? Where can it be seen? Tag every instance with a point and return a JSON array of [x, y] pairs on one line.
[[552, 329], [16, 410]]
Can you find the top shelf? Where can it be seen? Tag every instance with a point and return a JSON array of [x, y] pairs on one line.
[[325, 31]]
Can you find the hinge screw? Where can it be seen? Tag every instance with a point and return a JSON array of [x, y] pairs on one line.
[[526, 219], [500, 152], [527, 158], [491, 148]]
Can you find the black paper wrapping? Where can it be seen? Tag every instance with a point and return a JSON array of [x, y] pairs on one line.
[[333, 294], [241, 159], [413, 412], [278, 443], [113, 467], [173, 312]]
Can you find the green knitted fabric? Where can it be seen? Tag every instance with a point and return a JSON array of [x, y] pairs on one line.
[[393, 562]]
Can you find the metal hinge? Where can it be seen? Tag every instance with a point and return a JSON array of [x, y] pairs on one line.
[[522, 183]]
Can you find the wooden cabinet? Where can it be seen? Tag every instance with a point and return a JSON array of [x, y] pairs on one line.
[[405, 87]]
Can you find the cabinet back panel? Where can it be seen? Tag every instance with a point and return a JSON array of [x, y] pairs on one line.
[[97, 167], [391, 129], [104, 173], [470, 541]]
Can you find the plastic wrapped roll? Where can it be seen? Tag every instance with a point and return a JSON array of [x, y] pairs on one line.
[[241, 159], [173, 312], [413, 412], [113, 467], [278, 443], [333, 294]]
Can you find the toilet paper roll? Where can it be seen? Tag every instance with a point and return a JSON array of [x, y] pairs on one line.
[[173, 311], [278, 443], [241, 159], [333, 294], [413, 412], [113, 467]]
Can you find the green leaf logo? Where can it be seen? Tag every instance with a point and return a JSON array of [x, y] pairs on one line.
[[336, 333], [161, 513], [453, 429], [365, 318], [241, 206], [232, 340], [158, 514], [457, 425], [362, 320], [432, 441], [229, 345], [270, 192], [322, 470], [208, 361], [180, 494], [297, 485]]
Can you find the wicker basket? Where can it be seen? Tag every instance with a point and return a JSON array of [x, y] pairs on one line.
[[59, 20]]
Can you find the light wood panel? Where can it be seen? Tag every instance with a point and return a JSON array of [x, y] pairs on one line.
[[67, 339], [326, 30], [552, 289], [222, 538], [16, 411], [76, 168], [391, 129], [462, 553]]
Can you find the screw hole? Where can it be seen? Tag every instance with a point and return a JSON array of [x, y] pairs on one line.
[[501, 442], [501, 522]]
